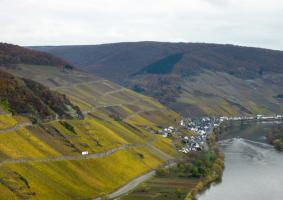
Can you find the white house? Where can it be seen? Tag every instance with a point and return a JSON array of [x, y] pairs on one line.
[[258, 116]]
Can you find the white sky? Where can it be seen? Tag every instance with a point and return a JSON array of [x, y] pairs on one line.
[[57, 22]]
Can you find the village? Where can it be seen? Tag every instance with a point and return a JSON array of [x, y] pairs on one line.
[[203, 126]]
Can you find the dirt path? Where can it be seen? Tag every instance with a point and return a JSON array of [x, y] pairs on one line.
[[77, 84], [16, 127], [114, 92], [140, 112]]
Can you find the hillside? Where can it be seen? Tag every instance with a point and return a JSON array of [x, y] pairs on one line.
[[44, 160], [191, 78], [22, 96], [13, 54], [26, 97]]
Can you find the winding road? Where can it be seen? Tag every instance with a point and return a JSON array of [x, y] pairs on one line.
[[66, 158], [148, 144], [127, 187], [135, 182]]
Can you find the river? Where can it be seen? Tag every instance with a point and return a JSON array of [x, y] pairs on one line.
[[253, 169]]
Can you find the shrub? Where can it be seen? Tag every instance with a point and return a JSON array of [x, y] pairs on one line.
[[4, 103], [162, 172], [68, 127], [69, 67]]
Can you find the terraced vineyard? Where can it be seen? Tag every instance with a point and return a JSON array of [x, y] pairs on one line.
[[44, 161], [162, 189], [194, 79]]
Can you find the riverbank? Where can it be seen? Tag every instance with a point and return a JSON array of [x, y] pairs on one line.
[[193, 172], [275, 137], [216, 170], [249, 159]]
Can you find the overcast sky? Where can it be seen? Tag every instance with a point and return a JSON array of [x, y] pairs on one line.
[[57, 22]]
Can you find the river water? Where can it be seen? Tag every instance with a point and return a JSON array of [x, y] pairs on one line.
[[253, 169]]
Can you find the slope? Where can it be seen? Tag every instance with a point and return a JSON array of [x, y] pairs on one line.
[[191, 78], [44, 160], [23, 96]]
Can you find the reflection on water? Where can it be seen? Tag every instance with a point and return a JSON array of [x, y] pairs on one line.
[[253, 171]]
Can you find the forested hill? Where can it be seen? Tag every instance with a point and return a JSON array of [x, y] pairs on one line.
[[26, 97], [191, 78], [13, 54], [120, 60]]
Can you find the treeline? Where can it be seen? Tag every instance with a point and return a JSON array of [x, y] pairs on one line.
[[13, 54], [199, 164], [196, 165], [168, 88], [163, 66], [26, 97]]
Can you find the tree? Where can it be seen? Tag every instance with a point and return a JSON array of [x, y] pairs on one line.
[[4, 103]]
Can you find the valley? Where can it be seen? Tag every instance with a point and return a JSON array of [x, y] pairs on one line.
[[97, 139], [141, 100], [42, 159]]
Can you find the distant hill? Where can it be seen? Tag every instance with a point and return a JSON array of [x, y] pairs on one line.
[[13, 54], [191, 78], [120, 60]]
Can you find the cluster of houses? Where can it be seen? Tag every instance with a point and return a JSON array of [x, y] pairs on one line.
[[257, 117], [202, 127], [166, 132]]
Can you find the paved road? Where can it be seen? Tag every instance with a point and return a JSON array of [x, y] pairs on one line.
[[66, 158], [135, 182], [126, 188], [81, 157], [132, 184]]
